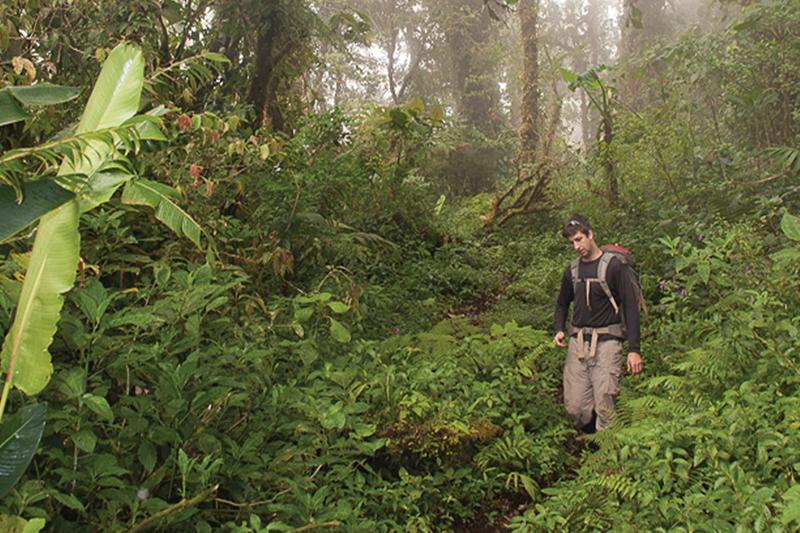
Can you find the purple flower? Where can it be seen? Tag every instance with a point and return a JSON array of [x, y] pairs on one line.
[[661, 285], [701, 237], [684, 293]]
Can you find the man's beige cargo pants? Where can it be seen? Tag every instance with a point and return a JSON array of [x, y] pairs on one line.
[[591, 380]]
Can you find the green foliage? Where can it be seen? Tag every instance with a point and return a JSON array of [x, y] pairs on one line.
[[51, 273], [39, 197], [19, 438], [41, 94], [163, 200]]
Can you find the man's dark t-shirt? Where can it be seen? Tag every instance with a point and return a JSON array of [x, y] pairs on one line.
[[601, 312]]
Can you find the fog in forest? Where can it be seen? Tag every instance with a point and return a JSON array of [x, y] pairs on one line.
[[466, 55]]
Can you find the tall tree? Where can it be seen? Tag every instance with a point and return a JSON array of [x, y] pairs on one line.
[[530, 121], [535, 161], [283, 51]]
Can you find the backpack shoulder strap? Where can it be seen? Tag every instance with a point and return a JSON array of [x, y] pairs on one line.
[[573, 268], [602, 273], [602, 266]]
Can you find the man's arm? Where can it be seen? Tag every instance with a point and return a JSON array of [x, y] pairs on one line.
[[565, 296], [626, 292]]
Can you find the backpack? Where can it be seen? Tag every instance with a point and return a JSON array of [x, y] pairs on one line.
[[611, 251]]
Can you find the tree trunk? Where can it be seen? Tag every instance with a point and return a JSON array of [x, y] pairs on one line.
[[529, 112], [264, 85]]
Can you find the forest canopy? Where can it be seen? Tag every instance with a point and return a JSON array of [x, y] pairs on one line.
[[291, 265]]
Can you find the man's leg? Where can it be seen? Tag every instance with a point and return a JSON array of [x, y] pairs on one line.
[[605, 376], [577, 387]]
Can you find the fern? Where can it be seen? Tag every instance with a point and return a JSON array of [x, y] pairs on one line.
[[618, 484], [788, 158]]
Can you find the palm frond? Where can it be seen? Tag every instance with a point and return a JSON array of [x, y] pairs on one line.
[[71, 151], [190, 73]]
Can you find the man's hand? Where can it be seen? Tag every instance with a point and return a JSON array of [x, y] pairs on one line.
[[558, 340], [635, 363]]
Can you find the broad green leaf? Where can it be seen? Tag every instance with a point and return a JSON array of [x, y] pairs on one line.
[[10, 110], [704, 270], [100, 187], [568, 76], [114, 100], [115, 97], [44, 94], [333, 418], [69, 500], [183, 462], [50, 274], [72, 383], [339, 332], [531, 487], [215, 57], [148, 126], [791, 511], [17, 524], [364, 430], [147, 455], [99, 406], [790, 225], [163, 200], [34, 525], [338, 307], [19, 438], [39, 197], [746, 24], [303, 313], [319, 297], [85, 440]]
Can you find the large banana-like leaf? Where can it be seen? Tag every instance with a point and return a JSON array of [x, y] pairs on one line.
[[115, 97], [32, 95], [19, 438], [10, 109], [43, 94], [39, 197], [114, 100], [50, 274], [51, 271], [163, 200]]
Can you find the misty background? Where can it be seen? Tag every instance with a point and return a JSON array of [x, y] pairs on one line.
[[466, 56]]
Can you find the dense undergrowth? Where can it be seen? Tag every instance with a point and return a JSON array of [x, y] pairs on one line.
[[356, 352]]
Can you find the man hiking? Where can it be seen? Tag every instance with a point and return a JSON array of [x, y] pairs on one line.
[[605, 293]]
